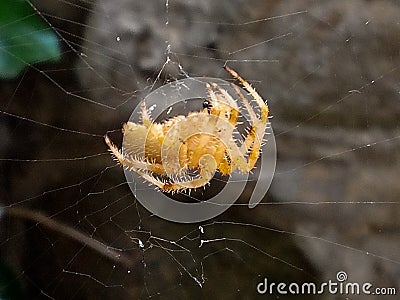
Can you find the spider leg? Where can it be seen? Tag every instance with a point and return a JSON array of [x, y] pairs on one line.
[[226, 99], [253, 93], [227, 105], [251, 137], [132, 163], [138, 166], [207, 167], [239, 162], [225, 166], [146, 119], [256, 132], [230, 102]]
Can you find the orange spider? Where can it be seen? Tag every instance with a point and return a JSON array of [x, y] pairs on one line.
[[202, 141]]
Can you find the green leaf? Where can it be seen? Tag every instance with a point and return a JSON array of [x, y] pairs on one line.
[[10, 287], [24, 38]]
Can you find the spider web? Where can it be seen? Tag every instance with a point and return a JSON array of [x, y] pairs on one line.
[[71, 228]]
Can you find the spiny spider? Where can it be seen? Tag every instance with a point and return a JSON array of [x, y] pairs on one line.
[[202, 141]]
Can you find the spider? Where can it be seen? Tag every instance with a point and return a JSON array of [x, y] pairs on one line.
[[202, 141]]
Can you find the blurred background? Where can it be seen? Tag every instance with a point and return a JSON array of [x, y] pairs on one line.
[[331, 73]]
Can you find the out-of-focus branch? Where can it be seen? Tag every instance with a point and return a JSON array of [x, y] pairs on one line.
[[68, 231]]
